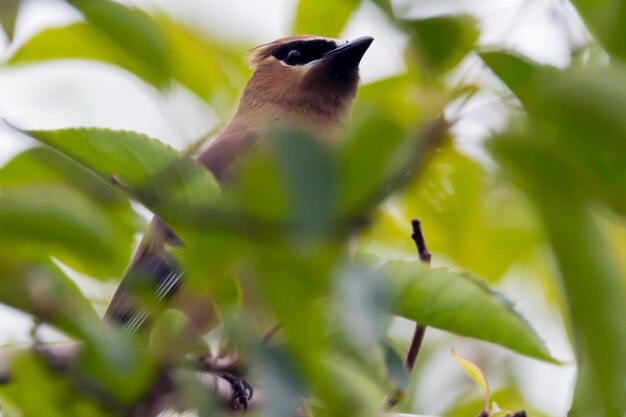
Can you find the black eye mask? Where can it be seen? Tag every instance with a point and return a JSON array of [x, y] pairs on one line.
[[303, 52]]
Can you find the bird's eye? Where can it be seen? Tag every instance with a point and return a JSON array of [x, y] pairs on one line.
[[293, 57]]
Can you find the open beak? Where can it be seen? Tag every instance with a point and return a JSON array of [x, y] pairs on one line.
[[346, 58]]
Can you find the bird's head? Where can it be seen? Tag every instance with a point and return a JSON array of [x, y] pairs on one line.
[[306, 79]]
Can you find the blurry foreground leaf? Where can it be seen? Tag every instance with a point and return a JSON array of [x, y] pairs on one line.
[[162, 179], [173, 52], [569, 159], [8, 15], [116, 365], [130, 29], [607, 20], [479, 222], [396, 369], [445, 40], [55, 395], [173, 325], [592, 283], [323, 17], [56, 220], [310, 178], [41, 289], [462, 304], [82, 41], [46, 169], [213, 71]]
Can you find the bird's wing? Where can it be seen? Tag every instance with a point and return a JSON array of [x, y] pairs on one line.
[[153, 275]]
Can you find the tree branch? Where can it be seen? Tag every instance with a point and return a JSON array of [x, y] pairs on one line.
[[420, 330]]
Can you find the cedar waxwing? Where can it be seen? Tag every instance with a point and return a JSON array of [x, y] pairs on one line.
[[305, 81]]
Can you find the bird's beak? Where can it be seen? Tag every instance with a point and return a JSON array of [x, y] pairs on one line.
[[346, 58]]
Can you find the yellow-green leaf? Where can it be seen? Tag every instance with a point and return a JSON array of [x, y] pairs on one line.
[[476, 374]]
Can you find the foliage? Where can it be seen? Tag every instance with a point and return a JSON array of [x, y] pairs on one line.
[[274, 240]]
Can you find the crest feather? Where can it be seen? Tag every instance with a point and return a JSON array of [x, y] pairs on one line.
[[257, 54]]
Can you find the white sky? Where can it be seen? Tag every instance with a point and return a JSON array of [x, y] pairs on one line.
[[66, 94]]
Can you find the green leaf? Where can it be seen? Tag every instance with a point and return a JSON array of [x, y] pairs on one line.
[[41, 289], [8, 15], [308, 171], [115, 364], [168, 183], [82, 41], [567, 159], [323, 17], [45, 167], [474, 372], [56, 396], [211, 70], [445, 40], [396, 369], [458, 199], [130, 29], [175, 325], [386, 6], [462, 304], [590, 278], [570, 108], [607, 19], [53, 220]]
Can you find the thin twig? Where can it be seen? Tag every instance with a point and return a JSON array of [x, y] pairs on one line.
[[425, 257], [420, 330]]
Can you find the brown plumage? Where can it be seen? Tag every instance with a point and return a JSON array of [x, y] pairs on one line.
[[304, 80]]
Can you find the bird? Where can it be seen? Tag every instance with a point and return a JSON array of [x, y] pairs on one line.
[[305, 81]]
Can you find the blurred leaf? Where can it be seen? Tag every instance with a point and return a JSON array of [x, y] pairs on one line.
[[401, 100], [114, 365], [209, 69], [44, 167], [162, 179], [396, 369], [308, 172], [82, 41], [8, 15], [571, 107], [392, 163], [355, 392], [594, 288], [481, 224], [362, 304], [130, 29], [59, 219], [607, 19], [56, 396], [323, 17], [257, 188], [42, 290], [282, 380], [477, 375], [386, 6], [175, 325], [568, 157], [463, 304], [445, 40]]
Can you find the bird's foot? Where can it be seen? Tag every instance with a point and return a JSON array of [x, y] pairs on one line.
[[242, 390]]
